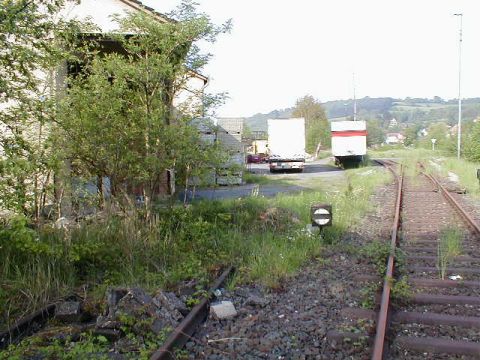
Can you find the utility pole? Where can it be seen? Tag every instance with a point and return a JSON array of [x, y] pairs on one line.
[[459, 138], [354, 100]]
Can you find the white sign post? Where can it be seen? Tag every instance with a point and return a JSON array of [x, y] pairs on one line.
[[433, 144]]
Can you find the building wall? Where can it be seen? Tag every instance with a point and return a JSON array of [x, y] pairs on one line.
[[100, 15]]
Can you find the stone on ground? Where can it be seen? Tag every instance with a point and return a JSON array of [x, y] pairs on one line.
[[223, 310]]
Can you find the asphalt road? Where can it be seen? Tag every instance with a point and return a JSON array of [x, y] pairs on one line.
[[314, 169]]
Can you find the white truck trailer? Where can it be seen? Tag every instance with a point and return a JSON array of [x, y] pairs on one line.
[[349, 141], [286, 144]]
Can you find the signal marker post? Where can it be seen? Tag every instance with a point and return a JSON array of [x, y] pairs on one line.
[[321, 215]]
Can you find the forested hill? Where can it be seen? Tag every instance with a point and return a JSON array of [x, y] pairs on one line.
[[409, 110]]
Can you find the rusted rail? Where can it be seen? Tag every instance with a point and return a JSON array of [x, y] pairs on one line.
[[441, 345], [189, 324], [30, 324], [468, 219], [23, 326], [383, 315]]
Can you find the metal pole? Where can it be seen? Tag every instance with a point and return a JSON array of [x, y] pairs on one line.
[[459, 138], [354, 100]]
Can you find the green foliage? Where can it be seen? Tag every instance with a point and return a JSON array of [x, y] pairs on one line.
[[24, 106], [368, 295], [89, 346], [448, 248], [444, 141], [466, 171], [401, 292], [377, 253], [317, 128], [471, 143], [264, 238], [118, 121], [31, 36], [375, 133], [411, 134]]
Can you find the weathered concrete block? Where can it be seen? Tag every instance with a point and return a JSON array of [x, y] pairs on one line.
[[223, 310], [68, 311]]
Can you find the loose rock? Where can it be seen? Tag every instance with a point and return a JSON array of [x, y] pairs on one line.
[[223, 310]]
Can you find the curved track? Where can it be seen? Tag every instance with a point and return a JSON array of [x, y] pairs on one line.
[[437, 320], [439, 317]]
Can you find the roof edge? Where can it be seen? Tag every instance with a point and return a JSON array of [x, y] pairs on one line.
[[138, 5]]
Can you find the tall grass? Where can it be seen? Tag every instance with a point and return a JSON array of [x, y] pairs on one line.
[[264, 238], [403, 153], [466, 171], [449, 247]]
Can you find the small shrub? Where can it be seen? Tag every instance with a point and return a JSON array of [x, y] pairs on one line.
[[401, 292], [368, 295], [377, 254], [449, 247]]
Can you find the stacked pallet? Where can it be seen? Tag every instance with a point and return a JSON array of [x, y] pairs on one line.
[[229, 135]]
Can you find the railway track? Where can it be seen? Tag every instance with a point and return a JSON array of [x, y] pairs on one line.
[[440, 256]]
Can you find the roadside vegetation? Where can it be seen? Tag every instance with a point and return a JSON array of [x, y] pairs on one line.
[[442, 163], [265, 238]]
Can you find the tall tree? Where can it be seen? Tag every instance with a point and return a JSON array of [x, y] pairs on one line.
[[411, 134], [118, 118], [317, 132], [471, 142], [28, 58], [375, 133], [443, 140]]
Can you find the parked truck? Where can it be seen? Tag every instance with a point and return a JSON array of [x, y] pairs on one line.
[[286, 144], [349, 142]]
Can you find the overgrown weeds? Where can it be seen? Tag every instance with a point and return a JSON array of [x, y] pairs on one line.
[[449, 246], [265, 238]]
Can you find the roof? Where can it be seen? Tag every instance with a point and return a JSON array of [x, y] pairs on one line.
[[138, 5]]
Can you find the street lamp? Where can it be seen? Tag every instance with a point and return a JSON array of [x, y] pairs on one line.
[[459, 138]]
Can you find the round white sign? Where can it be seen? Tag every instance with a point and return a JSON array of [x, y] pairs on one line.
[[324, 220]]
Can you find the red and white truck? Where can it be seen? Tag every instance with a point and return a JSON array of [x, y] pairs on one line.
[[349, 141]]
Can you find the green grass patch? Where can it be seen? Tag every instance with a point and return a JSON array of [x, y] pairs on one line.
[[260, 179], [401, 152], [466, 171]]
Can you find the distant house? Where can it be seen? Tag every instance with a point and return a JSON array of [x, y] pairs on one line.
[[393, 123], [394, 138], [453, 130]]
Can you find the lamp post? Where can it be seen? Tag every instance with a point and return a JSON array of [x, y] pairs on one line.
[[459, 137]]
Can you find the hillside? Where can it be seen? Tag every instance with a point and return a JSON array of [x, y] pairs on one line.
[[405, 111]]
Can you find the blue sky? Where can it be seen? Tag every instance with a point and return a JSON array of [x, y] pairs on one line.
[[279, 51]]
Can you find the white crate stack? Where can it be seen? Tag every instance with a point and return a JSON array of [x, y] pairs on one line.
[[208, 135], [229, 135]]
